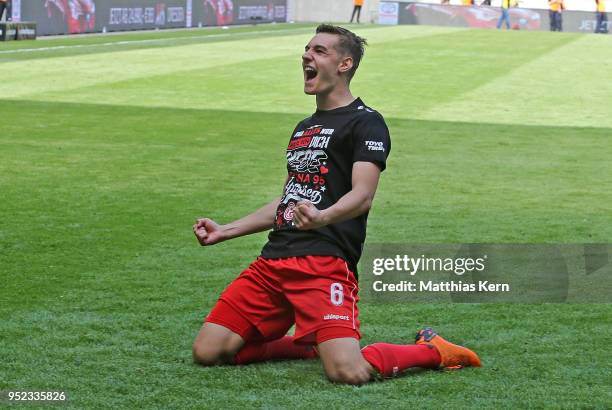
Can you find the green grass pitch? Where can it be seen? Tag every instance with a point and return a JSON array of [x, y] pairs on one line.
[[111, 146]]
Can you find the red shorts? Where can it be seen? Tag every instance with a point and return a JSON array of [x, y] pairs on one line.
[[312, 292]]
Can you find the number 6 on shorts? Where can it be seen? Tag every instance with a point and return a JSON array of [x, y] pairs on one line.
[[336, 294]]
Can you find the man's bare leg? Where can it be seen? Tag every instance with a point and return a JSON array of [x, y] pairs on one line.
[[216, 344]]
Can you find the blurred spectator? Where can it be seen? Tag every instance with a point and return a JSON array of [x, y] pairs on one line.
[[357, 9], [445, 2], [486, 3], [505, 16], [468, 2], [556, 18], [2, 8], [602, 17]]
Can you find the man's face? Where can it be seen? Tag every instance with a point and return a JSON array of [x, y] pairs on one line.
[[323, 64]]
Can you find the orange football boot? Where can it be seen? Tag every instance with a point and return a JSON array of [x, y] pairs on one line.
[[452, 356]]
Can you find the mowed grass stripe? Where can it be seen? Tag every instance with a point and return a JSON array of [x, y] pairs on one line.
[[29, 78], [569, 86], [428, 72], [275, 85], [470, 182], [63, 74]]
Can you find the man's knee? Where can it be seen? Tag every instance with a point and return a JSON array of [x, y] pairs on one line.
[[204, 355], [348, 373], [343, 361], [208, 354], [216, 345]]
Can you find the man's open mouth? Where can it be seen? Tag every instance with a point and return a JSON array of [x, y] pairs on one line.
[[309, 73]]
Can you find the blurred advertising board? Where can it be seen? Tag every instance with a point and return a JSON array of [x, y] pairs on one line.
[[87, 16]]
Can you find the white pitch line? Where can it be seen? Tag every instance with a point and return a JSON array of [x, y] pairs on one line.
[[161, 40], [156, 40]]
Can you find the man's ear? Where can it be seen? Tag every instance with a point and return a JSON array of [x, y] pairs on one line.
[[345, 64]]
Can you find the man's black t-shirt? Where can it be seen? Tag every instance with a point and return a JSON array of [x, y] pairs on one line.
[[320, 159]]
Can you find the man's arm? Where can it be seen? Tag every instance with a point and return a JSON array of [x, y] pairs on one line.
[[209, 232], [356, 202]]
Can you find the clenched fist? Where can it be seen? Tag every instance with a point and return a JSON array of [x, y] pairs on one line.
[[208, 231], [307, 216]]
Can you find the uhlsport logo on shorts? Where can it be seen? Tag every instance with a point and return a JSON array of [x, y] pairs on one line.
[[331, 316]]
